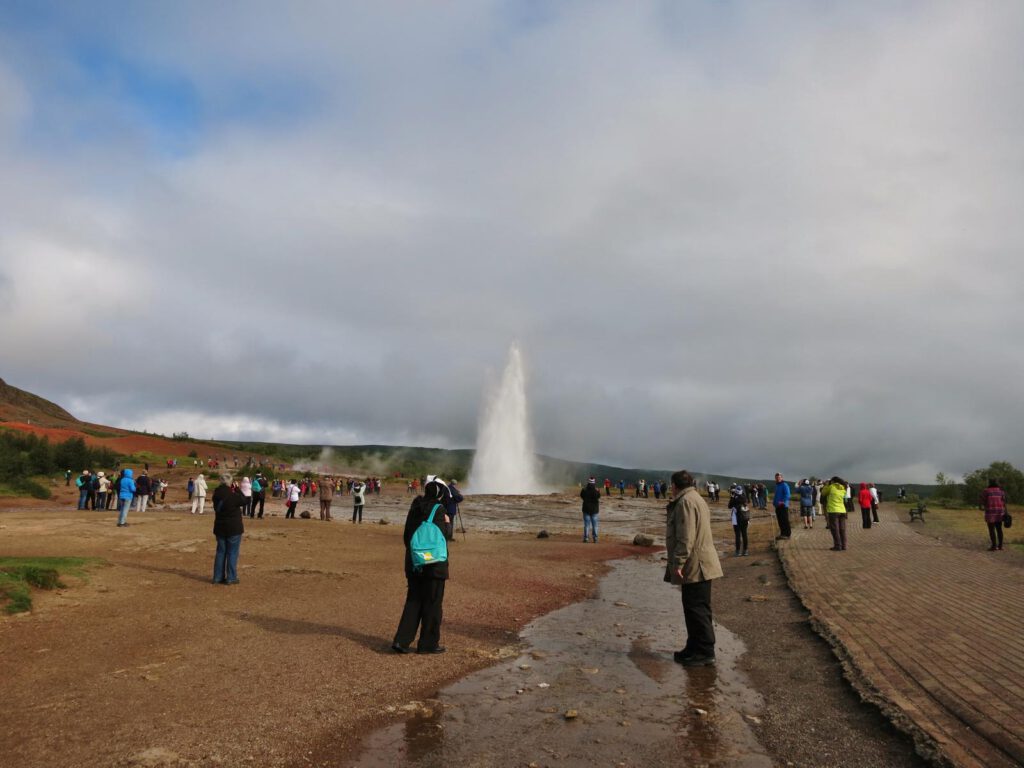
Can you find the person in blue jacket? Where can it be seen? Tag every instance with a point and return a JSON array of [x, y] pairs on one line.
[[781, 503], [125, 493]]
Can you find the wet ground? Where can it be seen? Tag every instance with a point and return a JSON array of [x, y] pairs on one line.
[[594, 684]]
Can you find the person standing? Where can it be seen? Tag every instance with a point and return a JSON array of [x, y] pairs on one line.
[[102, 490], [125, 493], [424, 600], [228, 529], [864, 498], [591, 506], [84, 482], [875, 501], [740, 519], [692, 564], [326, 497], [199, 500], [245, 488], [142, 492], [806, 492], [292, 499], [358, 500], [259, 495], [67, 478], [454, 499], [191, 487], [833, 498], [780, 500], [993, 501]]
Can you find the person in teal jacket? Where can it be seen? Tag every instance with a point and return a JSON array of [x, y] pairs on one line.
[[125, 493]]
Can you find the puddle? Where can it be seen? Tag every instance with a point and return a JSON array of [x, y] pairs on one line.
[[609, 661]]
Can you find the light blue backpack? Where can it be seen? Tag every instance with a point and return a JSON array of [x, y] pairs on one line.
[[428, 545]]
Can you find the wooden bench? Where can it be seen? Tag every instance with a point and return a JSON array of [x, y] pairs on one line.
[[918, 512]]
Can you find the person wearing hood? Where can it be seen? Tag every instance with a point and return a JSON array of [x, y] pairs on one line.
[[228, 528], [425, 587], [692, 564], [833, 498], [125, 493], [591, 507], [199, 499]]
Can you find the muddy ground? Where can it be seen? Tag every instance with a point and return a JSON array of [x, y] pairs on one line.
[[146, 663]]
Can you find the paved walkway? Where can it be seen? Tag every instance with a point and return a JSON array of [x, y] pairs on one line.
[[932, 633]]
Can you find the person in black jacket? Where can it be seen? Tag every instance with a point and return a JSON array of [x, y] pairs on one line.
[[228, 528], [425, 594], [591, 506]]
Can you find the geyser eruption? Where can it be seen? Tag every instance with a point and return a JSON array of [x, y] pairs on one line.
[[504, 460]]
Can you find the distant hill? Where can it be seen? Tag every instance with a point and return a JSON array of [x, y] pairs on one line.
[[19, 405], [25, 411]]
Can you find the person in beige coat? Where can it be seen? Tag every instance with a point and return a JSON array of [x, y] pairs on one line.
[[693, 564], [199, 499]]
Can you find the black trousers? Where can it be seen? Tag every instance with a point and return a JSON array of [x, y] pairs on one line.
[[996, 530], [700, 631], [258, 500], [782, 515], [357, 512], [422, 611], [874, 511], [865, 517], [741, 535]]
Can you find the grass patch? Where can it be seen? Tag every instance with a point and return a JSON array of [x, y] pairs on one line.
[[19, 574], [967, 526], [24, 487], [99, 432]]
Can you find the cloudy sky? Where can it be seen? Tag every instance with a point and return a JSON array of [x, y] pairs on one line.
[[731, 236]]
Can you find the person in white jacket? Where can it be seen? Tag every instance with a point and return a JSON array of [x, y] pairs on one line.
[[199, 496], [358, 500], [246, 488]]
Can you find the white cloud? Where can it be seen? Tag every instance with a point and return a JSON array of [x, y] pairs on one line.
[[736, 238]]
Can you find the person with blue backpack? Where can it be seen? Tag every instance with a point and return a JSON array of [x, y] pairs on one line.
[[426, 571]]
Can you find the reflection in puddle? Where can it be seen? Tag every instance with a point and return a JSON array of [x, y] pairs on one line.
[[596, 685]]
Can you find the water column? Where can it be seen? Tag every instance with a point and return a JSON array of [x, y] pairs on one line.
[[505, 461]]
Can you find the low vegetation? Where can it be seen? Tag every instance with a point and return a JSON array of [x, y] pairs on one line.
[[24, 456], [18, 575]]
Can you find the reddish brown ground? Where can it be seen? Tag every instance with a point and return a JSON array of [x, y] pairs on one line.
[[147, 663]]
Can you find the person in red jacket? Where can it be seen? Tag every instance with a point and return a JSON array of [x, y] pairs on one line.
[[864, 497]]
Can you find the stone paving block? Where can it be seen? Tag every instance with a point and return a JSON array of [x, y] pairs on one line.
[[925, 632]]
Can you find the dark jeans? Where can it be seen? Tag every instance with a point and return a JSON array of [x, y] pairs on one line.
[[741, 535], [837, 524], [258, 500], [423, 609], [700, 631], [225, 563], [782, 514], [83, 496], [865, 517], [357, 512], [874, 511], [291, 509], [246, 505], [996, 530]]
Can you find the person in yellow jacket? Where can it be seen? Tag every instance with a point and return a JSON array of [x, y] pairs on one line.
[[692, 563], [833, 498]]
